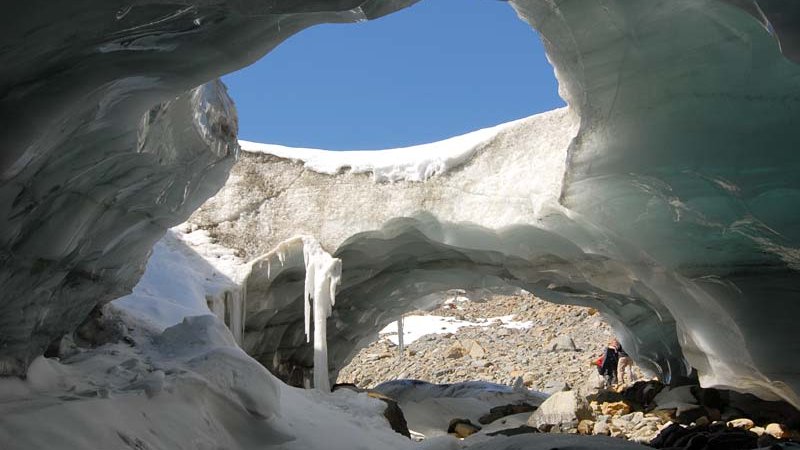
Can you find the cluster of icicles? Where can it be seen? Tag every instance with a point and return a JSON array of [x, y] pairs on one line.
[[323, 274]]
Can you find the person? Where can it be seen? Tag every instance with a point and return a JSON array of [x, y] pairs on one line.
[[609, 367], [624, 362]]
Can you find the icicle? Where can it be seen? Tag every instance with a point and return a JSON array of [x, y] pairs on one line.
[[323, 274], [400, 342], [307, 294]]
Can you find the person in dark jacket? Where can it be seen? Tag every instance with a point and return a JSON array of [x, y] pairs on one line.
[[609, 367]]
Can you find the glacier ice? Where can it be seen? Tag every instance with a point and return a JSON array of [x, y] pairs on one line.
[[666, 196], [113, 131]]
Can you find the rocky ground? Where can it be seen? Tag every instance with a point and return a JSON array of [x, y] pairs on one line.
[[560, 346]]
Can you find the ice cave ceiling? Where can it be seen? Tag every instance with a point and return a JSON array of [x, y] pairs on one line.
[[667, 195]]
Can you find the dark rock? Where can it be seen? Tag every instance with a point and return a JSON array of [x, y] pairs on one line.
[[506, 410], [393, 412], [397, 420], [522, 429], [668, 436]]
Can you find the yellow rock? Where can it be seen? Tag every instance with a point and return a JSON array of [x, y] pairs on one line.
[[615, 409], [463, 430], [585, 426], [776, 430]]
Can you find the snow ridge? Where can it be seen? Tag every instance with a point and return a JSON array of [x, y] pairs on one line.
[[414, 163]]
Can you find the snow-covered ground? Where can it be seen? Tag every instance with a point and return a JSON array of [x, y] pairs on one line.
[[178, 380]]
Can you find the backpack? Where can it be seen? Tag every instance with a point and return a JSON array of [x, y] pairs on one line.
[[599, 363]]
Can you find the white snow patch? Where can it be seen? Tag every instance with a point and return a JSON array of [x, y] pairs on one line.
[[414, 327]]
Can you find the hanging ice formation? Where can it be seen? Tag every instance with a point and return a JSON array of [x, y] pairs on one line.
[[323, 273]]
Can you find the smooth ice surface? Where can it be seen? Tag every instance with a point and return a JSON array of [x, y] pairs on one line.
[[178, 283]]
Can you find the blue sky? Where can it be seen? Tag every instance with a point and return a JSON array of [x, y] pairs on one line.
[[435, 70]]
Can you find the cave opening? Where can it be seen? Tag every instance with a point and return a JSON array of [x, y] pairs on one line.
[[437, 69], [507, 337]]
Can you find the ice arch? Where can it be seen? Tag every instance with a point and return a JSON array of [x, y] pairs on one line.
[[400, 267]]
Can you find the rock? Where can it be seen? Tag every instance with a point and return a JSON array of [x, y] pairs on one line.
[[395, 416], [742, 423], [473, 348], [601, 428], [775, 430], [506, 410], [635, 417], [523, 429], [615, 409], [585, 427], [528, 379], [462, 428], [758, 430], [552, 386], [561, 343], [593, 383], [690, 414], [456, 351], [561, 408], [702, 421]]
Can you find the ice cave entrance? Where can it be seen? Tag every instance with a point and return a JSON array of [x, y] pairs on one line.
[[438, 69], [511, 338]]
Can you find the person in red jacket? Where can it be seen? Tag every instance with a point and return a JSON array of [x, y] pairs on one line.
[[608, 368]]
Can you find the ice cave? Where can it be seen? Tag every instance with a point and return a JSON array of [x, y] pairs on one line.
[[166, 285]]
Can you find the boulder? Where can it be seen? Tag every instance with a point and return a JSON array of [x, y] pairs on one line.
[[473, 348], [553, 386], [561, 343], [566, 408]]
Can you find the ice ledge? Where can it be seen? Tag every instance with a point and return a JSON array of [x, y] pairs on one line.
[[414, 163]]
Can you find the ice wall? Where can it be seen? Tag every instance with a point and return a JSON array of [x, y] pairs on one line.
[[107, 140], [687, 149], [667, 197], [468, 227]]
